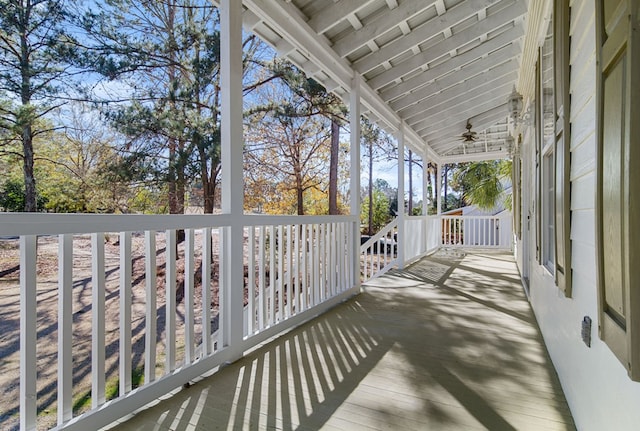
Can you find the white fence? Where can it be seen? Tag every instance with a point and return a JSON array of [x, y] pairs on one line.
[[477, 231], [421, 236], [149, 313], [379, 253]]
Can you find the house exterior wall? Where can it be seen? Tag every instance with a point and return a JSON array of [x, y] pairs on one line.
[[596, 385]]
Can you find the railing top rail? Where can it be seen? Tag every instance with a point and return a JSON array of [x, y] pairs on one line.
[[268, 220], [421, 217], [474, 217], [383, 232], [16, 224]]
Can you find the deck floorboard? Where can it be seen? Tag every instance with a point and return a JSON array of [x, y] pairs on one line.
[[448, 343]]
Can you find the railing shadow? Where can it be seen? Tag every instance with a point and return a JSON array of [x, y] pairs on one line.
[[297, 381], [422, 348]]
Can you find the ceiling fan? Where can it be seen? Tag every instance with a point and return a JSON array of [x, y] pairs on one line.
[[469, 136]]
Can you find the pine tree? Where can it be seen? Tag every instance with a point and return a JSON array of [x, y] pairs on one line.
[[34, 54]]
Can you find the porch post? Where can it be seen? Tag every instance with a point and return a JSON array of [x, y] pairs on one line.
[[439, 188], [425, 173], [232, 274], [439, 199], [425, 222], [401, 233], [354, 181]]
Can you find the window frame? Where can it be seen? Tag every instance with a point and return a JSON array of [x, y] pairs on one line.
[[555, 100]]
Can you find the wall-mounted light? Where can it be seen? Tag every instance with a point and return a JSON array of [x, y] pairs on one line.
[[514, 104]]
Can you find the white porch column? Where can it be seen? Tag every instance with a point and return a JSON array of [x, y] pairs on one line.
[[232, 274], [425, 222], [425, 173], [401, 233], [354, 181], [439, 188]]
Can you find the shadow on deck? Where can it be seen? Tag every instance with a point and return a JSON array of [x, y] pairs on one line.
[[448, 343]]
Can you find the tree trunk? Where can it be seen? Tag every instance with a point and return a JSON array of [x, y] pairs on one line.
[[300, 195], [429, 184], [445, 172], [333, 166], [30, 201]]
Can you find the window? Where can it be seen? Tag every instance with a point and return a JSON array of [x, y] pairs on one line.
[[552, 148], [548, 195], [546, 135], [618, 180]]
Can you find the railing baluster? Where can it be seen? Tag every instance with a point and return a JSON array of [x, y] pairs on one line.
[[340, 270], [484, 232], [189, 318], [289, 288], [272, 275], [125, 313], [303, 285], [65, 327], [296, 270], [332, 252], [313, 247], [322, 261], [170, 308], [28, 332], [280, 284], [151, 307], [97, 320], [251, 282], [261, 279], [207, 344]]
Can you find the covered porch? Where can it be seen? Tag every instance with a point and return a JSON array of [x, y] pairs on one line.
[[450, 342]]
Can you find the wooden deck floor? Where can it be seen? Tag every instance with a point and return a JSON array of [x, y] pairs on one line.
[[450, 343]]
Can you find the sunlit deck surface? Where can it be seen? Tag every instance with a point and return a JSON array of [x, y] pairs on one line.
[[448, 343]]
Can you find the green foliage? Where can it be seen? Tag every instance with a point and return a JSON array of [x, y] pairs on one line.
[[12, 196], [168, 54], [381, 214], [35, 50], [482, 183]]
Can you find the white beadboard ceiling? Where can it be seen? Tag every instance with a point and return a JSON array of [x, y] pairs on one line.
[[428, 67]]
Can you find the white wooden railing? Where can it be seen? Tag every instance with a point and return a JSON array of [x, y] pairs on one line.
[[296, 267], [379, 253], [148, 312], [477, 231], [421, 236]]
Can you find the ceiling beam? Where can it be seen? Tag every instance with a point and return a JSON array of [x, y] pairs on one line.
[[460, 98], [479, 122], [334, 13], [476, 157], [456, 41], [451, 44], [434, 95], [283, 18], [379, 26], [473, 108], [502, 43]]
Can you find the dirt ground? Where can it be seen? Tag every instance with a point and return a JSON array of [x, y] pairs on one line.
[[47, 318]]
